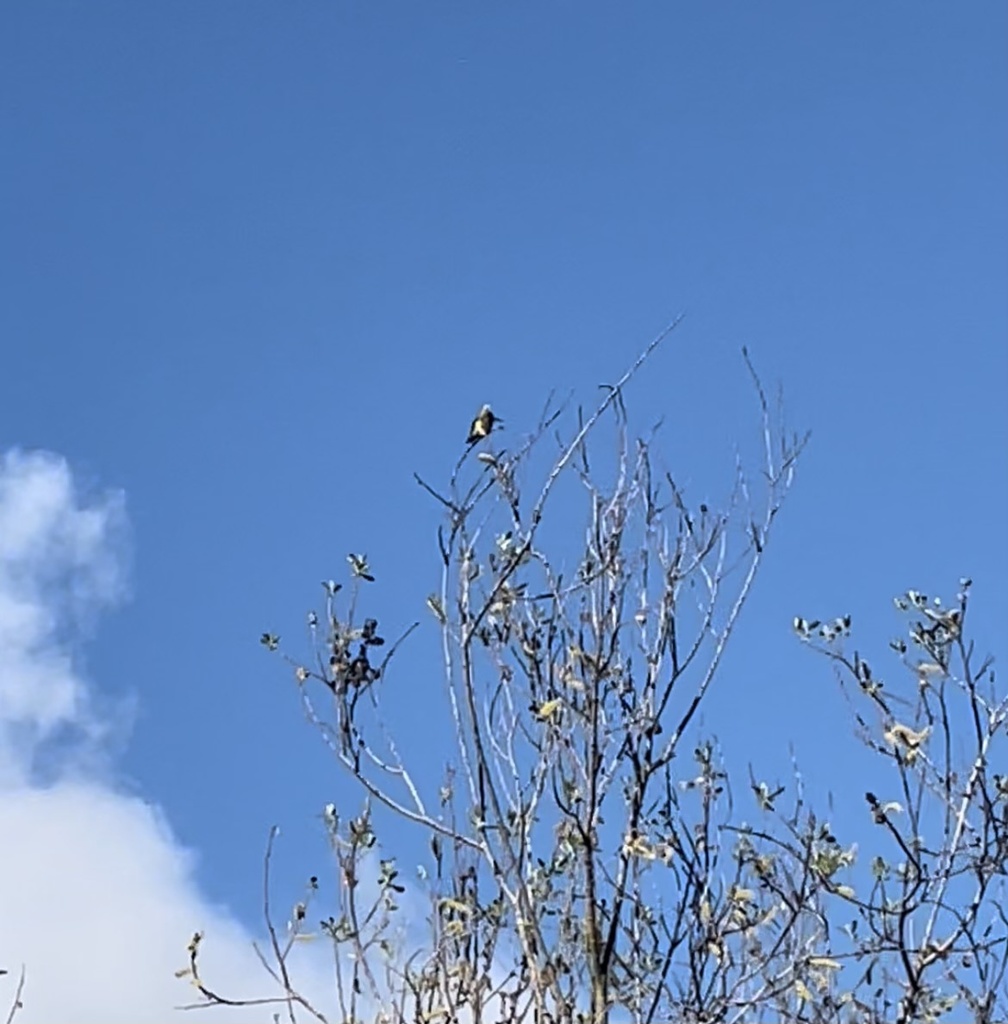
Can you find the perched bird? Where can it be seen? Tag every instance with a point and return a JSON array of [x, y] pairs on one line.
[[482, 425]]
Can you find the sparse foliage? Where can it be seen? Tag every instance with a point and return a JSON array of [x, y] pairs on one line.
[[930, 937], [588, 861]]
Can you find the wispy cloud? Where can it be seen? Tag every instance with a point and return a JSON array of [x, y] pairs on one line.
[[61, 563]]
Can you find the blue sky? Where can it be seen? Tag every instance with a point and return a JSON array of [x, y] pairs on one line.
[[236, 235]]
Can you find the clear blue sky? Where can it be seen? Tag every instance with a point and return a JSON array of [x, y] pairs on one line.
[[235, 234]]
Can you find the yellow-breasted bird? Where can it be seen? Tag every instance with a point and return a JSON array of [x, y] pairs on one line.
[[482, 425]]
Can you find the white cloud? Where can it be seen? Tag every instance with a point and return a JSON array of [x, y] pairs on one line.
[[97, 897], [59, 565]]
